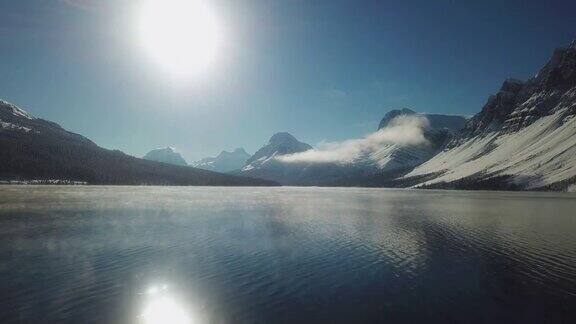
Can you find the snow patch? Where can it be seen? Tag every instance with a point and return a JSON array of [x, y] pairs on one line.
[[10, 126], [15, 110]]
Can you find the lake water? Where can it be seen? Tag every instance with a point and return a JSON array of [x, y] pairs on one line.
[[285, 255]]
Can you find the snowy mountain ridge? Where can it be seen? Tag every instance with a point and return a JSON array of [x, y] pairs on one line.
[[404, 140], [224, 162], [279, 144], [524, 136], [16, 111]]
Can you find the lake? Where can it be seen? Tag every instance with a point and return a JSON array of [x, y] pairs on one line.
[[285, 255]]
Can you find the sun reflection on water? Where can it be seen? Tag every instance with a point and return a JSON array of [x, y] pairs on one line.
[[161, 306]]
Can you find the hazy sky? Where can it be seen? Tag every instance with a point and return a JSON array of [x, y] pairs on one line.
[[321, 70]]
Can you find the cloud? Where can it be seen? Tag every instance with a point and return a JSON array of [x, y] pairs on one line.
[[402, 130]]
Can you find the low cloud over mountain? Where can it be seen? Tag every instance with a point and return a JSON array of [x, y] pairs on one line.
[[402, 130]]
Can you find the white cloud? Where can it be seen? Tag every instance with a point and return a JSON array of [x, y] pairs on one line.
[[402, 130]]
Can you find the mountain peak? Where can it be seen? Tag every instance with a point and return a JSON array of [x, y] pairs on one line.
[[238, 153], [240, 150], [279, 144], [224, 162], [282, 137], [560, 71], [393, 114], [166, 149], [519, 103], [436, 121], [14, 110], [166, 155]]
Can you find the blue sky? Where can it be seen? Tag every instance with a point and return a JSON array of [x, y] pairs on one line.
[[321, 70]]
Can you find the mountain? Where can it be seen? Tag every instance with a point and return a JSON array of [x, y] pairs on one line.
[[435, 121], [264, 165], [224, 162], [35, 149], [279, 144], [372, 158], [523, 138], [438, 130], [166, 155]]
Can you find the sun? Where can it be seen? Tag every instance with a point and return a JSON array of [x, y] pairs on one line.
[[183, 36]]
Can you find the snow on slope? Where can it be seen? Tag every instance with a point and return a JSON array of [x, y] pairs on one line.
[[404, 140], [10, 126], [10, 115], [437, 131], [16, 111], [540, 154], [279, 144], [525, 133], [396, 157]]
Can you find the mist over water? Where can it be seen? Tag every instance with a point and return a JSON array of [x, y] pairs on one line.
[[245, 255]]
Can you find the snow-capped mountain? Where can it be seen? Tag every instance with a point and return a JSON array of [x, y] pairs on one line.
[[437, 129], [16, 123], [524, 137], [279, 144], [288, 161], [265, 165], [166, 155], [34, 150], [224, 162], [11, 111]]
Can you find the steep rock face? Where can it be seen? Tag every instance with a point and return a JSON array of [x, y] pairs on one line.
[[224, 162], [165, 155], [519, 103], [35, 149], [526, 134]]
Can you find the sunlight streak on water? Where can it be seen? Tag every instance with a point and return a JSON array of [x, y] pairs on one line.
[[163, 307]]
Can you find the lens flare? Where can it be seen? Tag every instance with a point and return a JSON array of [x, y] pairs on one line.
[[183, 36]]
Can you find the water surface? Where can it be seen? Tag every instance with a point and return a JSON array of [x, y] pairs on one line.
[[285, 255]]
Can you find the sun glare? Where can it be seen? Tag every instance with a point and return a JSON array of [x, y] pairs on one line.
[[183, 36], [161, 307]]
